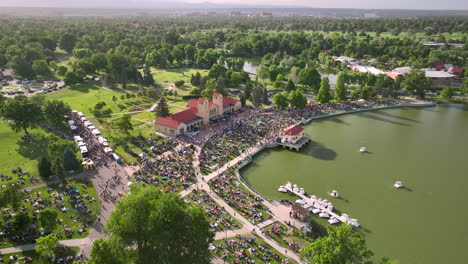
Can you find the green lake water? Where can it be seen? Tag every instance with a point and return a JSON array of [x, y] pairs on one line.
[[425, 148]]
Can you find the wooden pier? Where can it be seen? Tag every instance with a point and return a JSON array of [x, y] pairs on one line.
[[316, 203]]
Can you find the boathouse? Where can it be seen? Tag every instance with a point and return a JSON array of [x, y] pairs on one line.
[[293, 138]]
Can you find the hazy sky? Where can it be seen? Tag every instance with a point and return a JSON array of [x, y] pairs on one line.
[[365, 4]]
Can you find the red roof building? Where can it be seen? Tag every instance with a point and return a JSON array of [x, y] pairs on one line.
[[293, 130], [199, 112]]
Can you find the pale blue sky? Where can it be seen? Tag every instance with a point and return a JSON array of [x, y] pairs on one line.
[[360, 4]]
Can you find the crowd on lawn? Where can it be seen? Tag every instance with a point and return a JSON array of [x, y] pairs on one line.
[[62, 199], [219, 217], [244, 249], [248, 204], [229, 137], [20, 178], [151, 147], [171, 172], [276, 232], [66, 258]]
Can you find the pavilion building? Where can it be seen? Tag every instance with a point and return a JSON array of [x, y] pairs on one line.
[[199, 113]]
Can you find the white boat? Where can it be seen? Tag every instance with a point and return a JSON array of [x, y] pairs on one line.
[[333, 221], [398, 184], [316, 210], [334, 193], [363, 149], [324, 215], [354, 222], [301, 190], [282, 189]]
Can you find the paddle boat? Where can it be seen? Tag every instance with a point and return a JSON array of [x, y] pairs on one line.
[[334, 193], [333, 221], [301, 191], [398, 185], [301, 202], [282, 189], [354, 222], [363, 149], [324, 215]]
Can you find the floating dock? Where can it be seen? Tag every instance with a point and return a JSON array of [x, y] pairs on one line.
[[313, 202]]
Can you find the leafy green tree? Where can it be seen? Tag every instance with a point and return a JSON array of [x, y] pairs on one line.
[[48, 219], [71, 78], [297, 99], [323, 95], [99, 61], [70, 162], [280, 100], [217, 71], [21, 222], [309, 77], [446, 93], [195, 80], [194, 91], [415, 83], [22, 114], [109, 251], [62, 70], [67, 42], [257, 96], [340, 89], [125, 123], [290, 86], [56, 166], [11, 195], [162, 109], [179, 83], [366, 93], [41, 68], [342, 245], [174, 233], [44, 168], [55, 111], [47, 246], [263, 72]]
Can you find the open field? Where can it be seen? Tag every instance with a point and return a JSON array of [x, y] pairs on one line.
[[172, 75], [32, 257]]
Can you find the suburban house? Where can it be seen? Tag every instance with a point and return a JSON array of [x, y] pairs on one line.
[[199, 113]]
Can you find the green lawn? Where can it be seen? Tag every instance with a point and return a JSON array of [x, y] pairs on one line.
[[83, 97], [16, 152], [285, 235], [172, 75]]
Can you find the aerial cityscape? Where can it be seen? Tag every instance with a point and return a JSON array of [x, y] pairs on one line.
[[230, 131]]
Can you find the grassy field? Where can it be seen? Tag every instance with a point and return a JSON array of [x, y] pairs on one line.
[[16, 152], [84, 96], [172, 75]]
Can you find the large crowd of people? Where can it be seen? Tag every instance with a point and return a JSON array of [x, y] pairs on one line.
[[220, 219], [247, 204], [246, 249], [172, 172]]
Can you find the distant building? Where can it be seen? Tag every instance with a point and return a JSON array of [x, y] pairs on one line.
[[439, 79], [368, 69], [266, 14], [199, 113], [236, 13], [397, 72], [342, 59]]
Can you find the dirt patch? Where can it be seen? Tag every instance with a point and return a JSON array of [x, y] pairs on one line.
[[141, 108]]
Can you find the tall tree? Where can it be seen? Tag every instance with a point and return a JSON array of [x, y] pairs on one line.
[[446, 93], [125, 123], [340, 89], [41, 68], [415, 83], [48, 219], [174, 233], [162, 109], [323, 95], [55, 111], [67, 42], [109, 251], [309, 77], [47, 246], [280, 100], [257, 96], [22, 114], [11, 195], [342, 245], [297, 99], [290, 86], [70, 162], [44, 168]]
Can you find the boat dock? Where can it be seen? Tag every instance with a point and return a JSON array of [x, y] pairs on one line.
[[312, 202]]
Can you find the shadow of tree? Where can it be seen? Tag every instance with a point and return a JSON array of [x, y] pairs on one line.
[[34, 148], [379, 112], [337, 120], [319, 151], [378, 118]]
